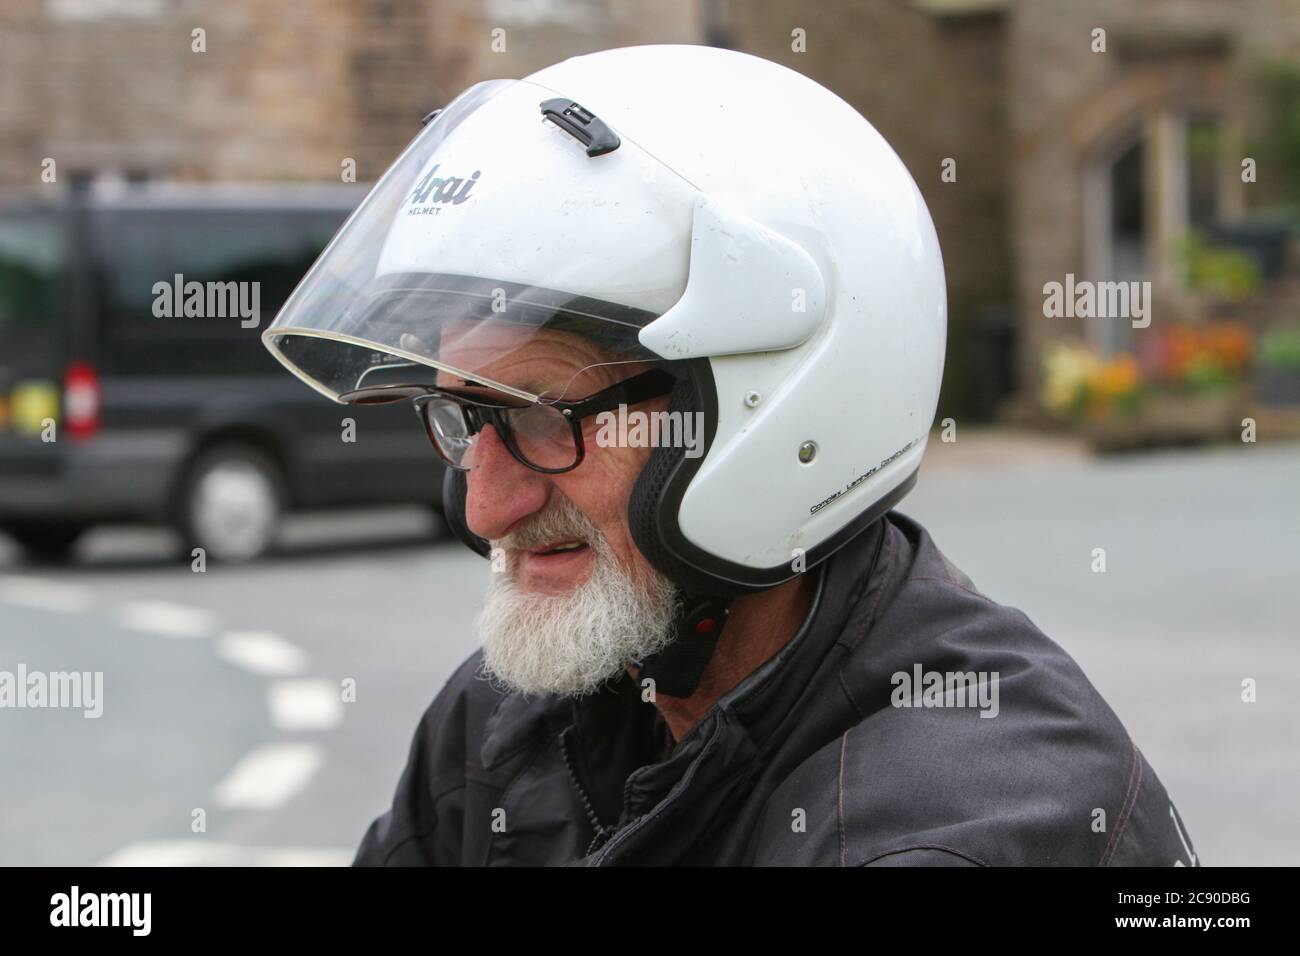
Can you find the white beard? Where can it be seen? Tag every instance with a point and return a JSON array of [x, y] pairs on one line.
[[571, 644]]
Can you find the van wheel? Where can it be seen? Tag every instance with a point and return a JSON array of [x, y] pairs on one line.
[[231, 503], [45, 542]]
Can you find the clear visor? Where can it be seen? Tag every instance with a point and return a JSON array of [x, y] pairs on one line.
[[495, 252]]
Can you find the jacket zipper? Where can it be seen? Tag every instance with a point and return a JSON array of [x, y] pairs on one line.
[[623, 834], [602, 832]]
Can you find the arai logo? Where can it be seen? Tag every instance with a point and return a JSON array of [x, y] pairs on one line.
[[436, 189]]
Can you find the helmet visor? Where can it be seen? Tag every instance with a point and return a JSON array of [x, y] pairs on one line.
[[494, 252]]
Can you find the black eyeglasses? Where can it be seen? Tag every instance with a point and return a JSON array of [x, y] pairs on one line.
[[545, 436]]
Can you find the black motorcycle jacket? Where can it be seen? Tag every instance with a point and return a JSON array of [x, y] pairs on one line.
[[910, 721]]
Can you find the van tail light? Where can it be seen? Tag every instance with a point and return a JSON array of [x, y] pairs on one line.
[[81, 401]]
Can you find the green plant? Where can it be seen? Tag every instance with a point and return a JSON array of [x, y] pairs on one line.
[[1279, 347], [1217, 271]]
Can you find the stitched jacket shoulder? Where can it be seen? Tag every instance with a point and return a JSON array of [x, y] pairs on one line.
[[1034, 769]]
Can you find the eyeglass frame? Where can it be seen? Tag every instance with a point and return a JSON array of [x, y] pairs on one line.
[[652, 383]]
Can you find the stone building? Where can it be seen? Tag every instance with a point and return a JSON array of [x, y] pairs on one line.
[[1076, 151], [1063, 155]]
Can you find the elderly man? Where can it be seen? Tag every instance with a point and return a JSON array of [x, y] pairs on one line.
[[728, 650]]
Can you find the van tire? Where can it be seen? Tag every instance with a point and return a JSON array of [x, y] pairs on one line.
[[230, 504]]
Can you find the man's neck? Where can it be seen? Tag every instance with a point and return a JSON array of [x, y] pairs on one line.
[[758, 625]]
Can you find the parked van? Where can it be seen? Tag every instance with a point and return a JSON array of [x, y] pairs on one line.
[[134, 385]]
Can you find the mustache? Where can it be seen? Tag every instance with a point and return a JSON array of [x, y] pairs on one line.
[[559, 521]]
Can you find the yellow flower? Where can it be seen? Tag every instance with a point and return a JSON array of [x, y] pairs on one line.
[[1067, 370]]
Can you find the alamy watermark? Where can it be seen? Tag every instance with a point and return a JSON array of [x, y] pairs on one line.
[[1085, 299], [132, 911], [83, 690], [635, 429], [208, 300], [922, 688]]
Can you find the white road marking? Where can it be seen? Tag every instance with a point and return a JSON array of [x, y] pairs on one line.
[[198, 851], [166, 619], [269, 776], [305, 704], [265, 779], [44, 594], [262, 653]]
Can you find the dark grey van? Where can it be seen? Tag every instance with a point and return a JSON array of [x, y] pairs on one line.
[[124, 398]]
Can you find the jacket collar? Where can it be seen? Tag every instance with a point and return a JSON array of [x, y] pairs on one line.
[[765, 700], [727, 745]]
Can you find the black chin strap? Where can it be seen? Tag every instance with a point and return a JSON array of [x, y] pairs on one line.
[[677, 669]]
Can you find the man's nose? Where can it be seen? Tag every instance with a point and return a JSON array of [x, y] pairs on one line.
[[501, 490]]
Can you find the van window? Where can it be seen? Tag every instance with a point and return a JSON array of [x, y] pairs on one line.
[[245, 264], [33, 271]]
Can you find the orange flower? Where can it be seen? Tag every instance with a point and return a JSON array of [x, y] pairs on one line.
[[1183, 346], [1111, 382], [1228, 346], [1115, 378]]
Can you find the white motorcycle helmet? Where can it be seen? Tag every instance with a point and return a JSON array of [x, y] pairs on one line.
[[680, 204]]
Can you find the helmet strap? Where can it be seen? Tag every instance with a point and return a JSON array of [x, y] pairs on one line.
[[677, 669]]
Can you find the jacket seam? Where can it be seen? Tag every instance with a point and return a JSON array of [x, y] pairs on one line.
[[960, 587], [844, 741], [1126, 808], [924, 846], [411, 833]]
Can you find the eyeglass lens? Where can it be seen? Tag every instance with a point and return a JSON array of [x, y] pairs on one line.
[[539, 433]]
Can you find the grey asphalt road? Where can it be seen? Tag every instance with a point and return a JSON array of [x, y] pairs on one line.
[[222, 689], [371, 598]]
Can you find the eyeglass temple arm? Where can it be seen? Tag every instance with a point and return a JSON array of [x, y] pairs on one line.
[[638, 388]]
